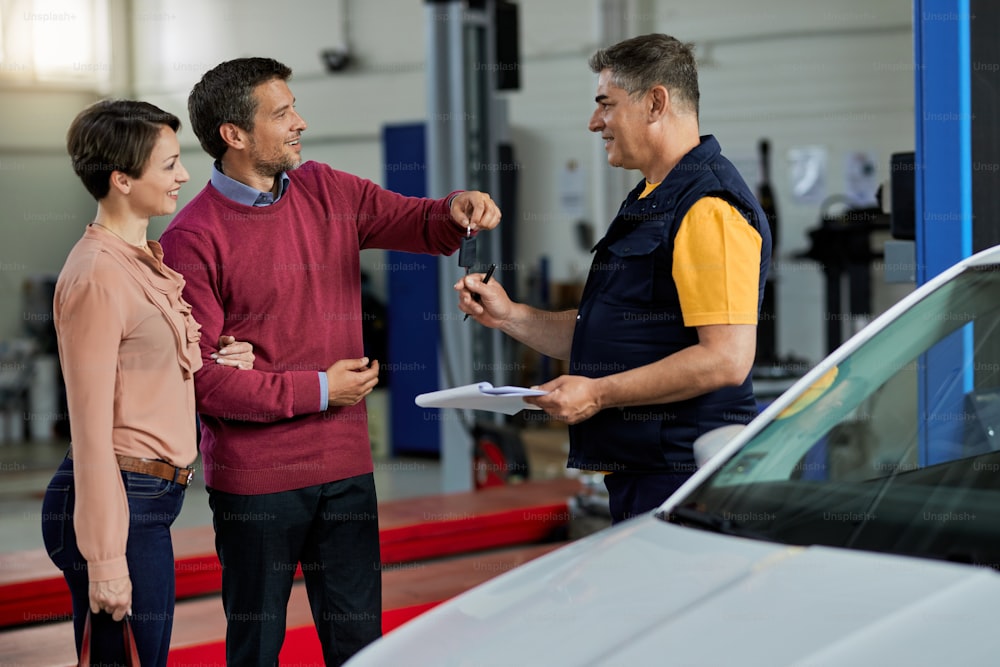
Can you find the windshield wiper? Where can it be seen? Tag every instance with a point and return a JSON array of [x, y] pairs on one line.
[[712, 521]]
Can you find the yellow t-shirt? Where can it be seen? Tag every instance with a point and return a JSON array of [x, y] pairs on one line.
[[716, 265]]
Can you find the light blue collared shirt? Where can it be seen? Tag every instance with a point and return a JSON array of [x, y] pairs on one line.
[[241, 193]]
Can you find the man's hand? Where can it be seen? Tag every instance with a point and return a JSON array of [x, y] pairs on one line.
[[571, 398], [350, 380], [234, 353], [493, 306], [474, 209], [113, 596]]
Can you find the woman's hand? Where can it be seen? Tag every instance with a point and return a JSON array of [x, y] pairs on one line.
[[113, 596], [238, 354]]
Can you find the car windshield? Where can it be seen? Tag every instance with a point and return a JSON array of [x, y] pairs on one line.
[[895, 449]]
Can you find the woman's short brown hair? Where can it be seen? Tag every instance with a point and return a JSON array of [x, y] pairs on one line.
[[114, 135]]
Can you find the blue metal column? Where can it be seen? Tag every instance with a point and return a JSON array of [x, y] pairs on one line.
[[943, 190], [943, 135], [413, 305]]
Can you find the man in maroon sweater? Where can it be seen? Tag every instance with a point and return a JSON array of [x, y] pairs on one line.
[[270, 251]]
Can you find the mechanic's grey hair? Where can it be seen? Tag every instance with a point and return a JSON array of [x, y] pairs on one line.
[[640, 63]]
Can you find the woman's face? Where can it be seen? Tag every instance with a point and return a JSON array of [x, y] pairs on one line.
[[155, 192]]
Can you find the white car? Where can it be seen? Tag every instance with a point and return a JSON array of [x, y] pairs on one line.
[[856, 521]]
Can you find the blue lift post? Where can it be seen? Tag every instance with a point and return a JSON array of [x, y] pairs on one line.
[[943, 191], [413, 300]]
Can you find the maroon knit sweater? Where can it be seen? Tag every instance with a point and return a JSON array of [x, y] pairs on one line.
[[286, 278]]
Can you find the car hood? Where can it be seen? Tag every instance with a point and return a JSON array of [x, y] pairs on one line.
[[649, 590]]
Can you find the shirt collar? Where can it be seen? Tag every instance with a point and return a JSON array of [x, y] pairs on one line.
[[244, 194]]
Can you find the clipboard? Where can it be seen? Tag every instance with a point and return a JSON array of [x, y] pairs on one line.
[[481, 396]]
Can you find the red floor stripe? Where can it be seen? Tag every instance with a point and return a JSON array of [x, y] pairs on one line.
[[301, 648], [48, 599]]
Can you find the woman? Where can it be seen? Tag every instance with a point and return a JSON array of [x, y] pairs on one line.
[[129, 349]]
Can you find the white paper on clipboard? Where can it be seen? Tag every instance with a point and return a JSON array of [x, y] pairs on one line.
[[481, 396]]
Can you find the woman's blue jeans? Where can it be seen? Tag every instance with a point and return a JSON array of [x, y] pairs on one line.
[[153, 505]]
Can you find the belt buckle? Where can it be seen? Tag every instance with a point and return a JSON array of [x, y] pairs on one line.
[[190, 476]]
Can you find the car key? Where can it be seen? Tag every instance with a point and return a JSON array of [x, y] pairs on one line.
[[467, 251]]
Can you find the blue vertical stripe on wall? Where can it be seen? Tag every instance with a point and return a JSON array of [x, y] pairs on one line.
[[413, 301], [943, 190]]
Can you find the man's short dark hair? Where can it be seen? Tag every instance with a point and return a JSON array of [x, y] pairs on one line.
[[225, 95], [640, 63], [114, 135]]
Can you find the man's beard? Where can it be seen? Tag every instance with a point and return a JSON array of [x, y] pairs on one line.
[[271, 167]]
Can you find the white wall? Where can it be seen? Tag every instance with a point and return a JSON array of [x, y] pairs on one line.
[[798, 72], [45, 205]]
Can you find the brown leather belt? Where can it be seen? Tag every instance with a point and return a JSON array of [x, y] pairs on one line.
[[161, 469]]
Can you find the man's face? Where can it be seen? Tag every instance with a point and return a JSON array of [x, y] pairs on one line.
[[622, 122], [274, 144]]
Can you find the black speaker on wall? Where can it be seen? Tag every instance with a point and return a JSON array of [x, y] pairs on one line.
[[902, 202]]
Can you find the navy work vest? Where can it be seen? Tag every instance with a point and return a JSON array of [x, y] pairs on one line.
[[630, 316]]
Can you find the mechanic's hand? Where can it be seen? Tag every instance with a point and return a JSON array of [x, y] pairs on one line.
[[113, 596], [571, 398], [350, 380], [237, 354], [474, 209], [494, 306]]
